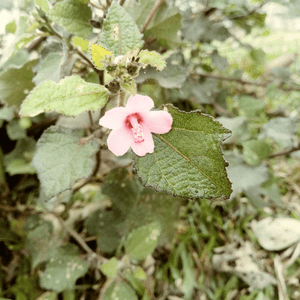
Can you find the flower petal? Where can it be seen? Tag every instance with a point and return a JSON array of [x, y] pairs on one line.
[[158, 121], [147, 146], [119, 141], [114, 118], [139, 103]]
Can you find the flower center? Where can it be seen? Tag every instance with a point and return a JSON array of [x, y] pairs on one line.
[[133, 123]]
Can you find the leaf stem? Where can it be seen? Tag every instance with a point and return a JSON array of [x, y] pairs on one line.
[[262, 84], [287, 152], [152, 13]]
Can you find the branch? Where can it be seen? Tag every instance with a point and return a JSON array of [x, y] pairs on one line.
[[153, 11], [287, 152], [241, 81]]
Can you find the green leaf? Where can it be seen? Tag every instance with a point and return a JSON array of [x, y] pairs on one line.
[[71, 96], [120, 290], [173, 76], [43, 4], [61, 159], [239, 128], [251, 106], [219, 61], [18, 161], [281, 129], [62, 272], [50, 68], [152, 58], [164, 26], [247, 179], [11, 27], [110, 268], [82, 43], [39, 239], [153, 207], [120, 33], [73, 16], [187, 161], [98, 53], [142, 241], [255, 151], [14, 131], [15, 84]]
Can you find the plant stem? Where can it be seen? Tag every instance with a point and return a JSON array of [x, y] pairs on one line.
[[153, 11], [122, 95], [287, 152], [262, 84]]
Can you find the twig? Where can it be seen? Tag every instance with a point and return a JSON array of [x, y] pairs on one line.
[[263, 84], [80, 240], [153, 11], [287, 152]]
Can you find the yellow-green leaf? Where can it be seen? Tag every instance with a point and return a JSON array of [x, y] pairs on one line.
[[98, 53]]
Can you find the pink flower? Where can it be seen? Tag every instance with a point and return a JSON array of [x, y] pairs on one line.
[[132, 126]]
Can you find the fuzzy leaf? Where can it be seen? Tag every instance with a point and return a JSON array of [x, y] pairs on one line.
[[62, 271], [142, 241], [71, 96], [73, 16], [120, 290], [97, 54], [153, 58], [16, 83], [255, 151], [61, 160], [50, 68], [120, 33], [187, 161], [110, 268], [82, 43]]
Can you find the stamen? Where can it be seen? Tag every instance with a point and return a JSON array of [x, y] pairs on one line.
[[133, 123]]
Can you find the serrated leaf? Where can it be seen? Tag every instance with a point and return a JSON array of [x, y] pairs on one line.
[[16, 83], [49, 69], [129, 87], [120, 290], [43, 4], [71, 96], [276, 234], [120, 33], [110, 268], [142, 241], [97, 54], [255, 151], [187, 161], [152, 58], [61, 160], [73, 16], [62, 272]]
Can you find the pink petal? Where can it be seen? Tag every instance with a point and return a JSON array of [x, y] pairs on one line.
[[147, 146], [158, 121], [114, 118], [119, 141], [139, 103]]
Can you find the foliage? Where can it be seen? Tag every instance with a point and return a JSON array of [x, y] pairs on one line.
[[204, 215]]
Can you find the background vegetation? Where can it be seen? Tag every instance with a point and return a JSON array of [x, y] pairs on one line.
[[95, 241]]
